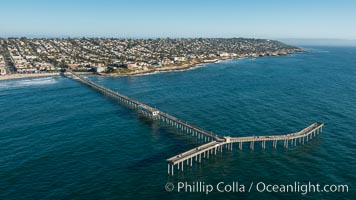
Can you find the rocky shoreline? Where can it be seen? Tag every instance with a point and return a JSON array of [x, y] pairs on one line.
[[187, 66]]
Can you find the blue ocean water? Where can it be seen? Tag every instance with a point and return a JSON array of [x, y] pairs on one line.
[[62, 140]]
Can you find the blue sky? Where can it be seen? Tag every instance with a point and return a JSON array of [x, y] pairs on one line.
[[194, 18]]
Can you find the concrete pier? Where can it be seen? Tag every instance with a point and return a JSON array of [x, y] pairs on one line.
[[216, 143], [287, 139], [151, 112]]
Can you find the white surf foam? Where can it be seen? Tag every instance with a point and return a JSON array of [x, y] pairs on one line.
[[27, 82]]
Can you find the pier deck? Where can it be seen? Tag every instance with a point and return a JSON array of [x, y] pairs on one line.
[[212, 147]]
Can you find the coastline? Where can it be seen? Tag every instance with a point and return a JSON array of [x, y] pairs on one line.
[[158, 69], [38, 75], [186, 66], [20, 76]]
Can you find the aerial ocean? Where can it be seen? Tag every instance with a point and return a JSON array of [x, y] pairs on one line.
[[60, 139]]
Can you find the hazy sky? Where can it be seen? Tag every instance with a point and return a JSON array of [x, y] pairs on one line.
[[183, 18]]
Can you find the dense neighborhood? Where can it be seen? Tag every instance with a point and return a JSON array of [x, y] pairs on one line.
[[113, 55]]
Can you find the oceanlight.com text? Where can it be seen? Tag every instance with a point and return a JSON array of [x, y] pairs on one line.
[[237, 187]]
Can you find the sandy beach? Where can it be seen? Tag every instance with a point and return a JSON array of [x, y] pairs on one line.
[[19, 76]]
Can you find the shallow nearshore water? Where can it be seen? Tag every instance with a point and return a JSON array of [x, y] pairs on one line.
[[136, 72]]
